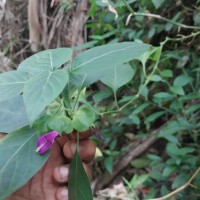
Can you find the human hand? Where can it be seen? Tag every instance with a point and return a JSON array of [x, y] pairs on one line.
[[50, 182]]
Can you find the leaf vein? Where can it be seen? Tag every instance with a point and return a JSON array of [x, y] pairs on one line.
[[46, 81], [12, 83], [105, 54], [51, 62], [17, 151]]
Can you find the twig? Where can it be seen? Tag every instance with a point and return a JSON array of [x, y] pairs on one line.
[[180, 188]]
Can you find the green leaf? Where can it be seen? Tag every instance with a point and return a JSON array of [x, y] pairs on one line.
[[152, 32], [145, 56], [180, 180], [13, 115], [19, 160], [193, 108], [157, 3], [118, 76], [144, 91], [41, 124], [196, 18], [172, 138], [94, 63], [41, 90], [57, 106], [101, 95], [164, 190], [46, 60], [78, 183], [172, 149], [108, 162], [154, 157], [182, 80], [155, 78], [170, 25], [12, 84], [135, 119], [176, 89], [139, 163], [162, 95], [155, 116], [166, 73], [140, 108], [60, 124], [137, 180], [168, 170], [173, 127], [113, 144], [104, 36], [83, 119]]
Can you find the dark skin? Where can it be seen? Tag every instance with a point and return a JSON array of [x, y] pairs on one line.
[[50, 183]]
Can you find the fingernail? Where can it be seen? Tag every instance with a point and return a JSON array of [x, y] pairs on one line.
[[73, 147], [64, 193], [64, 171]]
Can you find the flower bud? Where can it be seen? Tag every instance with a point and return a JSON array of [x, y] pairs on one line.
[[45, 142]]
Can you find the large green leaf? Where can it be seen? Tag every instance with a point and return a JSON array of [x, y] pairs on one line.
[[41, 90], [93, 64], [11, 84], [118, 76], [13, 114], [19, 160], [46, 60], [78, 183]]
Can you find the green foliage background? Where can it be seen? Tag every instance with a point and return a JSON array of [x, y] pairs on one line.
[[158, 95]]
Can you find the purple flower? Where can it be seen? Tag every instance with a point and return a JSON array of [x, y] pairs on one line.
[[45, 142]]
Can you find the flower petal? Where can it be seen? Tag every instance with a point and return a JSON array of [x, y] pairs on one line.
[[45, 142]]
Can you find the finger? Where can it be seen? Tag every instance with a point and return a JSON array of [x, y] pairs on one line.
[[88, 171], [73, 136], [61, 173], [83, 135], [2, 135], [62, 140], [62, 193], [87, 150]]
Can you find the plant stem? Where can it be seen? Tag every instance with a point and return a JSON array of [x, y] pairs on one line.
[[148, 78], [182, 37], [115, 96], [76, 100], [158, 17]]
